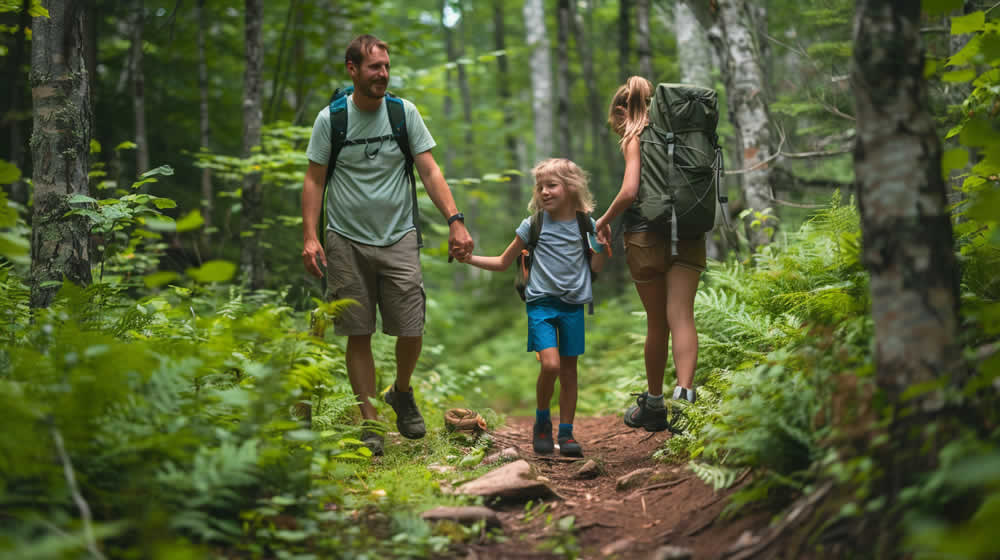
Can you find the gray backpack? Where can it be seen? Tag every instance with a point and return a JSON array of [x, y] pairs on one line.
[[680, 176]]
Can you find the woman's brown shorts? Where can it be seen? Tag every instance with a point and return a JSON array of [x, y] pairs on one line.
[[648, 255]]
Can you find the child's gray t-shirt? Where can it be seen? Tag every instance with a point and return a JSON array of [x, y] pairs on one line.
[[559, 268]]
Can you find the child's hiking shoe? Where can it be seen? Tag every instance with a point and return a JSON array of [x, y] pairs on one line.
[[568, 447], [643, 415], [374, 441], [541, 437], [409, 422]]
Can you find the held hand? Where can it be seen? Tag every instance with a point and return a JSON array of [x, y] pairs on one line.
[[603, 232], [460, 243], [314, 257]]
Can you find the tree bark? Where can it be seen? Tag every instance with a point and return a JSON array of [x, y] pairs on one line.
[[251, 264], [601, 144], [624, 40], [564, 140], [541, 76], [60, 147], [503, 80], [694, 53], [907, 232], [139, 92], [18, 190], [745, 88], [448, 103], [906, 237], [207, 192], [645, 53]]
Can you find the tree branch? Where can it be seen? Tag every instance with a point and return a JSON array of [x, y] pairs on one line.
[[81, 504]]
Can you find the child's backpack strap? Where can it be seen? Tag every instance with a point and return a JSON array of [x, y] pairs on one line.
[[526, 257], [586, 228]]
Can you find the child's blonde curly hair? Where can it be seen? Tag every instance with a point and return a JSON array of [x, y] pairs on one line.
[[569, 174]]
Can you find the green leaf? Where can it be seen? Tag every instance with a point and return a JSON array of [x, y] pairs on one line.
[[977, 132], [37, 10], [959, 76], [95, 146], [157, 279], [81, 199], [13, 245], [192, 220], [954, 159], [960, 25], [161, 170], [126, 145], [161, 223], [9, 173], [940, 7], [212, 271]]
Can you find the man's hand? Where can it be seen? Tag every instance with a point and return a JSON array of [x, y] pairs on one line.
[[460, 244], [314, 257]]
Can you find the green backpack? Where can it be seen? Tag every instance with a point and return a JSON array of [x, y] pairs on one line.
[[681, 169]]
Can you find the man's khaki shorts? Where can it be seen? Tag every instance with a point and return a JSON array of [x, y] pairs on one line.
[[388, 277], [648, 255]]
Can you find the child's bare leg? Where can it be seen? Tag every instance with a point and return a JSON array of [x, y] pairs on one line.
[[682, 284], [567, 389], [654, 300], [549, 358]]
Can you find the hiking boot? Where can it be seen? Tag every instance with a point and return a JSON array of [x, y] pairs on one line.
[[641, 415], [689, 395], [409, 422], [374, 441], [568, 447], [541, 438]]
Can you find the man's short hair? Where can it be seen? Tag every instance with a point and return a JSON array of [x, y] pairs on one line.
[[362, 45]]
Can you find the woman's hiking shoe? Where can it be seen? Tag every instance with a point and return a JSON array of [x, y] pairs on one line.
[[683, 398], [541, 437], [642, 415], [374, 441], [409, 422], [568, 447]]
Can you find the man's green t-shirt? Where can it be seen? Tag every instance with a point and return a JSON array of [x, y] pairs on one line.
[[368, 197]]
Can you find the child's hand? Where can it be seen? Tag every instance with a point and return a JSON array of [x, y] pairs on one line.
[[603, 233]]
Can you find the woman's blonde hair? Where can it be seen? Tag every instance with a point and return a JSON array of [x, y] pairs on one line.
[[570, 175], [629, 111]]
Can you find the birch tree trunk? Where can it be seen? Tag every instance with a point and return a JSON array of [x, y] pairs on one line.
[[60, 149], [907, 233], [139, 92], [564, 140], [503, 80], [601, 143], [745, 89], [448, 103], [251, 264], [906, 237], [541, 76], [469, 144], [645, 53], [207, 193]]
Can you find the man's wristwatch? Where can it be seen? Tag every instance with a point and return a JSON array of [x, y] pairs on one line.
[[455, 217]]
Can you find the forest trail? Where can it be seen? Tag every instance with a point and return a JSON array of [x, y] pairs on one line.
[[674, 508]]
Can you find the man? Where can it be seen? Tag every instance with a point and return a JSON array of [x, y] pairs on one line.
[[371, 253]]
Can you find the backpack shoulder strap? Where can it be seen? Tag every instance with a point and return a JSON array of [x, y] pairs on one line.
[[338, 135], [397, 120], [535, 231], [586, 228]]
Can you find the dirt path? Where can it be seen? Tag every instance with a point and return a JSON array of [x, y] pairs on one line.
[[675, 508]]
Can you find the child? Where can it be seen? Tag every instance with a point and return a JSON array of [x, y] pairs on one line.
[[558, 288]]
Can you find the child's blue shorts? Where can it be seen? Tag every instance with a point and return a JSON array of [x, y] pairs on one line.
[[554, 323]]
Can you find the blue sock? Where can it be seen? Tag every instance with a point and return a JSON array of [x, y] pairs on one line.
[[542, 415], [565, 431]]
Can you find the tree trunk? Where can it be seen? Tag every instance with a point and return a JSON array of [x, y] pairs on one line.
[[506, 101], [448, 103], [601, 143], [541, 76], [906, 236], [645, 53], [745, 89], [18, 190], [564, 140], [207, 193], [250, 237], [469, 144], [138, 93], [60, 148], [624, 40]]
